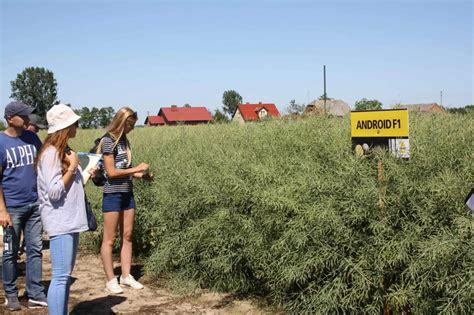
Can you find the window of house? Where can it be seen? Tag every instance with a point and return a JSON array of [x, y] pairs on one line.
[[262, 113]]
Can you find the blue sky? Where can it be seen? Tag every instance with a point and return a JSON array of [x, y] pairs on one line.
[[148, 54]]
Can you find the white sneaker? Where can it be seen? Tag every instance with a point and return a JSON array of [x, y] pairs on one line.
[[113, 287], [131, 282]]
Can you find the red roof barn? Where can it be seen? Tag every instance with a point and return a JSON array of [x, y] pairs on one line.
[[253, 112], [180, 115], [154, 121]]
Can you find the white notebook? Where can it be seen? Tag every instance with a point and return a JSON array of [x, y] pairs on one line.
[[87, 162]]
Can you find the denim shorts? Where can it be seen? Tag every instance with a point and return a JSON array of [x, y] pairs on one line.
[[117, 202]]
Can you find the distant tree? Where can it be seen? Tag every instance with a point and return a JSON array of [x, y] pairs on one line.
[[187, 105], [365, 104], [231, 100], [2, 125], [105, 116], [35, 87], [468, 109], [95, 117], [86, 119], [219, 117], [295, 108]]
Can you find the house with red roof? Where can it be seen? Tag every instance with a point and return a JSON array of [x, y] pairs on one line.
[[175, 115], [255, 112], [154, 121]]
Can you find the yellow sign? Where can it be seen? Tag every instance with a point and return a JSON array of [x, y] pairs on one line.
[[380, 123]]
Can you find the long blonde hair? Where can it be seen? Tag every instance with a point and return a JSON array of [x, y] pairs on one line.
[[115, 129]]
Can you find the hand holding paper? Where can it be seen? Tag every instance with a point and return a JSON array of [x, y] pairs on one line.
[[88, 162]]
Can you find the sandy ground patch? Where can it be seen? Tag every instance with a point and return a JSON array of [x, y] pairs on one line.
[[88, 296]]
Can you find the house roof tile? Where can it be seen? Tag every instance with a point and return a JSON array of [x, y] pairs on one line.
[[250, 111], [175, 113], [154, 120]]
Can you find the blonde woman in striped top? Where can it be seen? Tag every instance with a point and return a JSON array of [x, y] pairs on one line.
[[118, 203]]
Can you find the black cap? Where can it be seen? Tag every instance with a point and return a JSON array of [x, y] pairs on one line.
[[37, 121], [18, 108]]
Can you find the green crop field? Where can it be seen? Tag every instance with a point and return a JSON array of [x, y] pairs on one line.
[[285, 211]]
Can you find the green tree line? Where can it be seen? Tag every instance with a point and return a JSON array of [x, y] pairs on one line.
[[37, 87], [95, 117]]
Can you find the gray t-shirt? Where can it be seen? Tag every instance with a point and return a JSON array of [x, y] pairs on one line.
[[119, 152]]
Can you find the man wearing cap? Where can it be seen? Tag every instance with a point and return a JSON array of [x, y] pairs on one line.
[[36, 123], [19, 205]]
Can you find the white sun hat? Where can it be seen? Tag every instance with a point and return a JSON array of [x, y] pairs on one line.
[[59, 117]]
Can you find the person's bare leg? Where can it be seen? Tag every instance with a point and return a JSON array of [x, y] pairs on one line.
[[110, 233], [126, 232]]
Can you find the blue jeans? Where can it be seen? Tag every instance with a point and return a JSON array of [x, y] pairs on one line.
[[27, 218], [63, 250]]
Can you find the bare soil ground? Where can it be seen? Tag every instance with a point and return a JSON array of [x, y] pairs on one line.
[[88, 296]]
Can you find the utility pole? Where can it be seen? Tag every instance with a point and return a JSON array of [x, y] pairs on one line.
[[324, 71], [441, 98]]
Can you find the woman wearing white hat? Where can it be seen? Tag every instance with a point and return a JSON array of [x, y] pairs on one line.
[[62, 205]]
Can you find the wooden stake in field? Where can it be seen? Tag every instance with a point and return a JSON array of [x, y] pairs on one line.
[[381, 204], [382, 187]]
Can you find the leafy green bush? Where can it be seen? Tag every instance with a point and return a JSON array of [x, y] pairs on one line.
[[283, 209]]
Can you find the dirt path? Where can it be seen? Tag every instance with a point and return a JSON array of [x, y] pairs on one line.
[[88, 296]]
